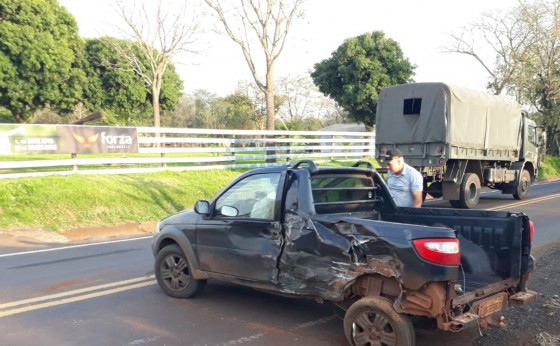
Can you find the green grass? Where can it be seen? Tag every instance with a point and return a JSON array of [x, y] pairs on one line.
[[550, 168], [60, 203]]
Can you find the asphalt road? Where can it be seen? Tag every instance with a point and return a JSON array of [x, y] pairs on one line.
[[105, 294]]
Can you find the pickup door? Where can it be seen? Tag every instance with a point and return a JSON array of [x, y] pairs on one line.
[[246, 243]]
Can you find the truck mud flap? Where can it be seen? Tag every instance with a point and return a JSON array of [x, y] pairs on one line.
[[453, 178]]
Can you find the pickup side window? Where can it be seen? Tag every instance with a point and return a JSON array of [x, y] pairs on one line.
[[343, 193], [253, 197]]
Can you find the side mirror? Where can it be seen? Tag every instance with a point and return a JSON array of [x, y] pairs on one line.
[[542, 138], [202, 207], [226, 210]]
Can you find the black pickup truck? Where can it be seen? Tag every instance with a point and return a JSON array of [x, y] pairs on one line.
[[334, 234]]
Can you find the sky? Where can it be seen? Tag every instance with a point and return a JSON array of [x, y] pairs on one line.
[[422, 29]]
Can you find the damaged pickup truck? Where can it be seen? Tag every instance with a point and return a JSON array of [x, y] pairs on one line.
[[334, 234]]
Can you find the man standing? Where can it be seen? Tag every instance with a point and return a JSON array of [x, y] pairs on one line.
[[405, 182]]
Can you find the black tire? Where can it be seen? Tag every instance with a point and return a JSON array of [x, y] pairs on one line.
[[469, 191], [455, 203], [522, 189], [435, 190], [173, 273], [374, 321]]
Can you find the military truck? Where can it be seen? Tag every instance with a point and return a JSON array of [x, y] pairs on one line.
[[460, 140]]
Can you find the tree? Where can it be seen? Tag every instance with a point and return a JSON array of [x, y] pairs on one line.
[[171, 31], [241, 112], [541, 82], [525, 56], [266, 21], [303, 100], [116, 89], [357, 71], [182, 116], [501, 42], [41, 58]]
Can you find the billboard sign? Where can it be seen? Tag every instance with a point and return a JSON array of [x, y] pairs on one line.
[[66, 139]]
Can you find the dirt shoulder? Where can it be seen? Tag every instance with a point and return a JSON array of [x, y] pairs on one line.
[[537, 323], [40, 238]]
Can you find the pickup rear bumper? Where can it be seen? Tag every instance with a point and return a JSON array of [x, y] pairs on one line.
[[484, 313]]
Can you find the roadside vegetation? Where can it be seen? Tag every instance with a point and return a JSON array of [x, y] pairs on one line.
[[61, 203], [550, 168]]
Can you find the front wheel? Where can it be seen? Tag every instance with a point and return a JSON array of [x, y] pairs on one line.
[[522, 189], [174, 273], [373, 321]]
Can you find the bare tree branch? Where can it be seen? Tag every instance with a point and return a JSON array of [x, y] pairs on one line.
[[159, 37], [506, 35], [266, 22]]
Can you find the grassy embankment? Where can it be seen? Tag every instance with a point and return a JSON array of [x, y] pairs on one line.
[[60, 203]]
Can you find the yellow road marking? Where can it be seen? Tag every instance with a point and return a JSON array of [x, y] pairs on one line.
[[530, 201], [128, 285]]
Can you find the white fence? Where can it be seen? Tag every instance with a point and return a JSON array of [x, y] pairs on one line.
[[175, 149]]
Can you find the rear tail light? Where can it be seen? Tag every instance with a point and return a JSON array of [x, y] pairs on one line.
[[444, 251], [531, 231]]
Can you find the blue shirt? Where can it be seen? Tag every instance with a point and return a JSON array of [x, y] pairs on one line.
[[402, 185]]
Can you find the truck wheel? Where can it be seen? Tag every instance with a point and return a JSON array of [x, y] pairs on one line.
[[522, 189], [435, 189], [455, 204], [373, 321], [469, 192], [173, 273]]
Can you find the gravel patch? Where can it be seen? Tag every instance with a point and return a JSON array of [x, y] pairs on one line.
[[537, 323]]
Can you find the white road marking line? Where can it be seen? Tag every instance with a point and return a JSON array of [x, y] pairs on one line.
[[72, 247], [242, 340], [313, 323], [75, 299]]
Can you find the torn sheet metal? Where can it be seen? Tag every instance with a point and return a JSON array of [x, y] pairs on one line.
[[323, 255]]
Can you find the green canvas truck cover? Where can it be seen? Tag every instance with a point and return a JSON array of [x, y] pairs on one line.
[[442, 113]]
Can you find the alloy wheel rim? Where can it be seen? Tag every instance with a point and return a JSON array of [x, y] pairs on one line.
[[175, 272], [373, 329]]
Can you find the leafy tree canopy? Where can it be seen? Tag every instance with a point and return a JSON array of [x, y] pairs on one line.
[[119, 91], [357, 71], [41, 55]]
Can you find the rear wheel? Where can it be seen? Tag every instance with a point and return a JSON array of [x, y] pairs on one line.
[[522, 189], [469, 191], [435, 189], [373, 321], [455, 203], [174, 274]]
